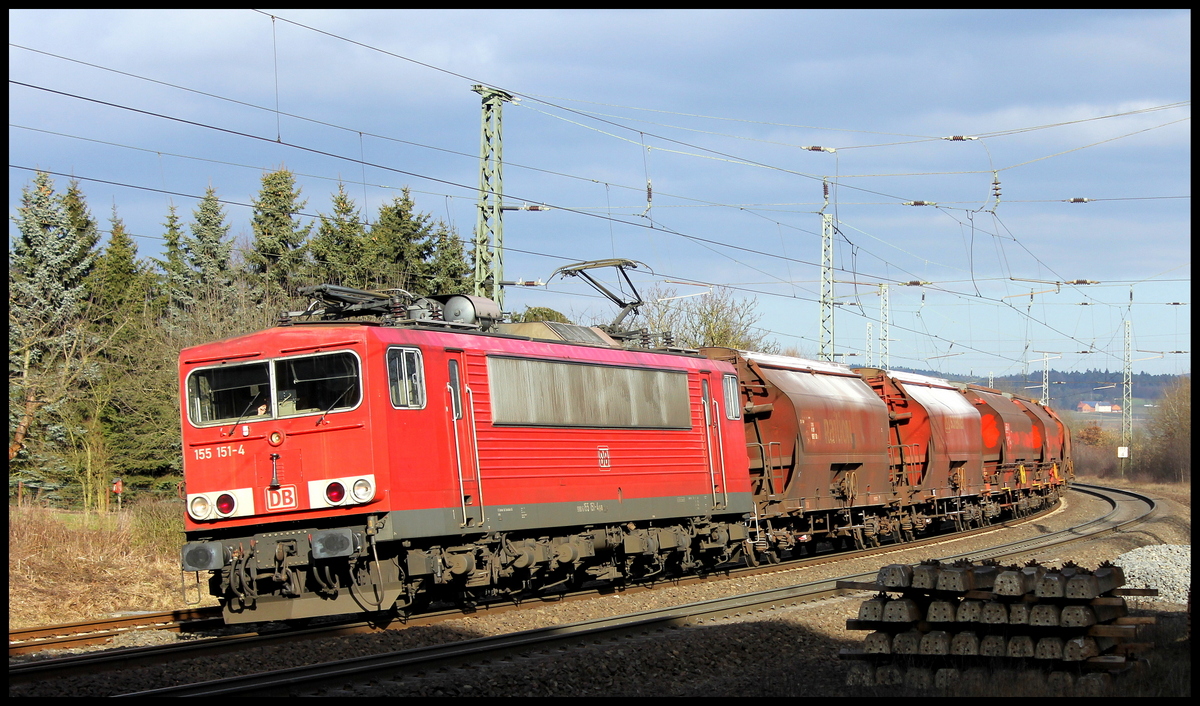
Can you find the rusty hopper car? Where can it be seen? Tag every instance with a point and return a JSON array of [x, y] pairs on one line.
[[934, 455], [1020, 470], [816, 443]]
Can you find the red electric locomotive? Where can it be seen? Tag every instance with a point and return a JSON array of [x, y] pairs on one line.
[[337, 467]]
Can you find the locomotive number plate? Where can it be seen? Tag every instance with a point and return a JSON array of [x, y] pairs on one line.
[[281, 498]]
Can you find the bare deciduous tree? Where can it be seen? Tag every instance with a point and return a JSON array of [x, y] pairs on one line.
[[714, 318]]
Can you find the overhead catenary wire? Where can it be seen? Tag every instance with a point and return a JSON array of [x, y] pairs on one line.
[[341, 157], [343, 129], [895, 325], [694, 238], [361, 161]]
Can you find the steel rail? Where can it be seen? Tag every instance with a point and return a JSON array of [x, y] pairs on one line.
[[143, 655], [91, 632], [312, 678]]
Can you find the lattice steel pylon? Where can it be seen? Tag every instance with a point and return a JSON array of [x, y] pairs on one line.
[[827, 344], [1127, 399], [885, 349], [870, 355], [489, 227]]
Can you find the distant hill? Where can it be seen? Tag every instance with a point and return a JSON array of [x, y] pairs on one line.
[[1076, 386]]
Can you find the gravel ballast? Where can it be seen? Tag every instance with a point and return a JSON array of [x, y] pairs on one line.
[[783, 652]]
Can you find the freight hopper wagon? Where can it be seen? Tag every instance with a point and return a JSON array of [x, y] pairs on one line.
[[853, 458], [816, 443], [342, 467], [1026, 449], [935, 463]]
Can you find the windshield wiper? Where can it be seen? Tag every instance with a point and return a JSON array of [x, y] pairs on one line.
[[244, 413], [328, 409]]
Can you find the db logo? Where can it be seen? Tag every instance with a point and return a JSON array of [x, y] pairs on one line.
[[282, 498], [602, 454]]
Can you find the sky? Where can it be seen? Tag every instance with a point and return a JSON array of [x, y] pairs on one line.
[[717, 113]]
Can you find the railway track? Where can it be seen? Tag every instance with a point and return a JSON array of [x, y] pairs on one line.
[[1126, 508], [344, 677], [102, 631], [97, 632]]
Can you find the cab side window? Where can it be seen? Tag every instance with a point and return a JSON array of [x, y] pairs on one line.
[[406, 378], [733, 409]]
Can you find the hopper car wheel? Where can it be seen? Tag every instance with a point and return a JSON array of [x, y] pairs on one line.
[[859, 542]]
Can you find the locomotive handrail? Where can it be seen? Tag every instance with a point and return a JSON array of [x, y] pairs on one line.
[[712, 474], [475, 451], [720, 450], [462, 498]]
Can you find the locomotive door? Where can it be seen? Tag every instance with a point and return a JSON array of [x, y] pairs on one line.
[[714, 446], [460, 407]]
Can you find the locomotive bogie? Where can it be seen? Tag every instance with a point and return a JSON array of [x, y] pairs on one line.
[[281, 576]]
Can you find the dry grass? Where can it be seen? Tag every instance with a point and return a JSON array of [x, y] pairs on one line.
[[1179, 492], [69, 567]]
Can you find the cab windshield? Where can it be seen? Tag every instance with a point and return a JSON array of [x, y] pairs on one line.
[[282, 388]]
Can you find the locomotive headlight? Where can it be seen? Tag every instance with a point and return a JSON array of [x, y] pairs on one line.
[[200, 508], [225, 504], [275, 439], [363, 490], [340, 492]]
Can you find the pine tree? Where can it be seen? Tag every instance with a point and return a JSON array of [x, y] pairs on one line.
[[176, 283], [48, 353], [82, 224], [540, 313], [279, 251], [130, 408], [399, 245], [116, 281], [223, 303], [338, 246], [449, 272], [208, 249]]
